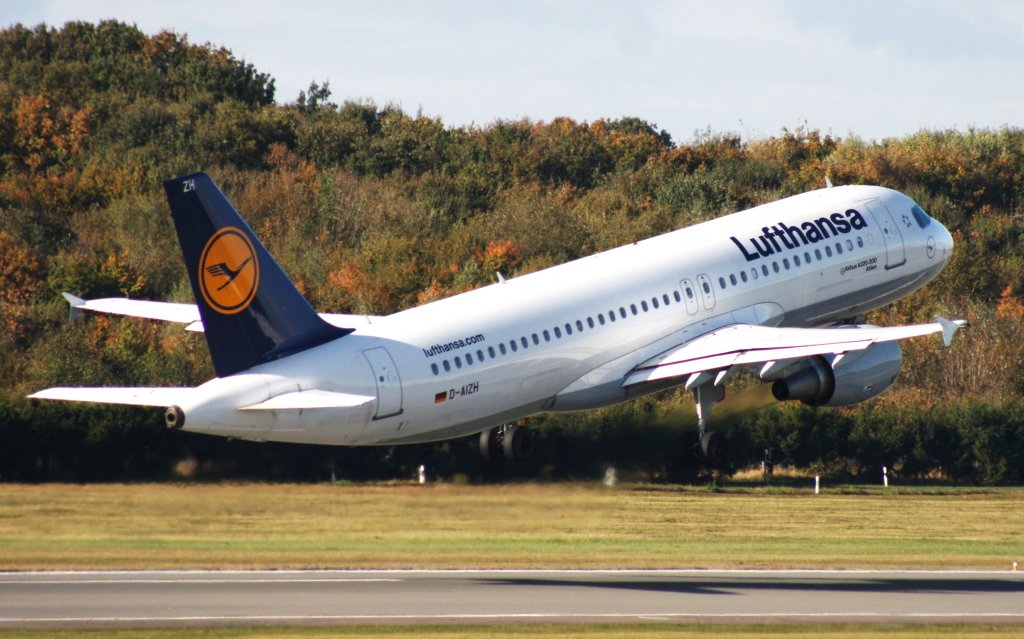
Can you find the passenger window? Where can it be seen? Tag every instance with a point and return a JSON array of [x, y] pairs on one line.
[[469, 359], [743, 276], [849, 245], [732, 279], [839, 248], [447, 366], [433, 369], [611, 315], [796, 260], [785, 263], [860, 241], [721, 282], [643, 305], [622, 312], [501, 347], [525, 343], [707, 288], [807, 257], [558, 333], [654, 302], [458, 362], [600, 319], [512, 345], [568, 329], [764, 270], [490, 351], [828, 251], [480, 356], [664, 298], [590, 322], [579, 326], [677, 296], [775, 266], [753, 272], [632, 307], [536, 340], [547, 335], [817, 254]]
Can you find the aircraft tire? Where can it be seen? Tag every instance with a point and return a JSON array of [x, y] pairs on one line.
[[490, 444], [517, 443], [715, 449]]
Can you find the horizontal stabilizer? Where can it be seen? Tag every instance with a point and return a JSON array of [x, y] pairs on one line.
[[185, 313], [306, 400], [162, 397]]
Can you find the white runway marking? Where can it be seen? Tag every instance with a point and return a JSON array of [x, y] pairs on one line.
[[76, 582], [667, 616], [100, 598]]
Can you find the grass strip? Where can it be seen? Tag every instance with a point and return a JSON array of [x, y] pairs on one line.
[[213, 526]]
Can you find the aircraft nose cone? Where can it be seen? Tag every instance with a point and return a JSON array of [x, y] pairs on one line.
[[940, 243]]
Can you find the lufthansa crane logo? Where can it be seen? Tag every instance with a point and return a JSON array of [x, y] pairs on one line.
[[229, 272]]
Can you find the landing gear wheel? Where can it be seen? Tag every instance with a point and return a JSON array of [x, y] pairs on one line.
[[517, 442], [714, 448], [491, 444]]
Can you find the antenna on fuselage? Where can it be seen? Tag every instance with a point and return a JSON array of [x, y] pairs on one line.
[[828, 182]]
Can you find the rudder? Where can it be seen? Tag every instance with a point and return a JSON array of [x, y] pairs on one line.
[[251, 311]]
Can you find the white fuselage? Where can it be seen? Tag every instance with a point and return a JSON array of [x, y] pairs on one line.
[[565, 338]]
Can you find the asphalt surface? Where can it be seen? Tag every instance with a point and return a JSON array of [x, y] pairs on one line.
[[196, 598]]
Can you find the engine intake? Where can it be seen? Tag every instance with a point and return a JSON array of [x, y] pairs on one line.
[[857, 377]]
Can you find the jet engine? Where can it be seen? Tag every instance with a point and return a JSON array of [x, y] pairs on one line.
[[835, 381]]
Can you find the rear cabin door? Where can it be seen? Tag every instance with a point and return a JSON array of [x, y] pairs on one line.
[[389, 384]]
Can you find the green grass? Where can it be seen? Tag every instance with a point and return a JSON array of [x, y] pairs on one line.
[[51, 527], [591, 631]]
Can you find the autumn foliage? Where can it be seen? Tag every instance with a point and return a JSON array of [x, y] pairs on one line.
[[372, 210]]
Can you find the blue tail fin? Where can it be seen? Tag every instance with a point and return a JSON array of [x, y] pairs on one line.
[[251, 311]]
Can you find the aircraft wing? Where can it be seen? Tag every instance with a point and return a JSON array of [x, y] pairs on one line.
[[184, 313], [746, 344], [161, 397]]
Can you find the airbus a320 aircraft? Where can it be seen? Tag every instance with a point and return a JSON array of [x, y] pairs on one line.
[[777, 291]]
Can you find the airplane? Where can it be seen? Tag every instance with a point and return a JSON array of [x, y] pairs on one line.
[[779, 291]]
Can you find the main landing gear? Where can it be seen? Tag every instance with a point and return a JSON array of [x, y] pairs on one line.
[[710, 445], [512, 442]]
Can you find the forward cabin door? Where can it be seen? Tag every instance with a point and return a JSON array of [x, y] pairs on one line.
[[895, 253], [389, 384]]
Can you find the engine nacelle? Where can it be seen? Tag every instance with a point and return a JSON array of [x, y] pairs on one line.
[[856, 377]]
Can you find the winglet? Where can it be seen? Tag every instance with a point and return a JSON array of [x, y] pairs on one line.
[[949, 328], [75, 302]]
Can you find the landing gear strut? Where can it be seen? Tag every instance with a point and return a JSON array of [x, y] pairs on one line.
[[512, 442], [710, 445]]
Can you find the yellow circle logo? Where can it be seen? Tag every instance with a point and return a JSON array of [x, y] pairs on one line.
[[229, 272]]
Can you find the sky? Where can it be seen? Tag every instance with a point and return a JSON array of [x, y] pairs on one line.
[[872, 68]]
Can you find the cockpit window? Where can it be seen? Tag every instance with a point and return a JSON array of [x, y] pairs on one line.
[[920, 216]]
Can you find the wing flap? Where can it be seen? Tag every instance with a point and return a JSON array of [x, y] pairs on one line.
[[744, 344], [162, 397]]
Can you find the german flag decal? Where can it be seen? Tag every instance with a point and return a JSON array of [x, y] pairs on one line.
[[440, 397]]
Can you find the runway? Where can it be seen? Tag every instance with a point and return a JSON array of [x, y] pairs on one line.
[[199, 598]]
